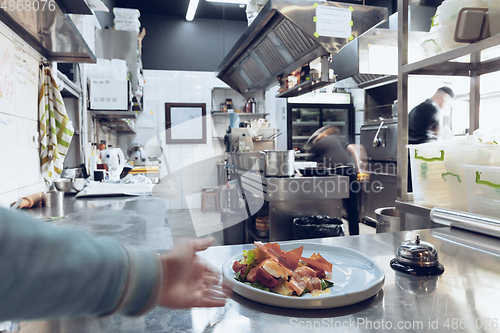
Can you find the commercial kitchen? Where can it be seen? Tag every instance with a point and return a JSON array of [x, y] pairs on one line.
[[152, 121]]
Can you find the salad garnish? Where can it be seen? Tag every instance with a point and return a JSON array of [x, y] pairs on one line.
[[269, 268]]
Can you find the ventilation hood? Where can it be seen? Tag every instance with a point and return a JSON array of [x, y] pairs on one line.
[[51, 31], [372, 59], [288, 34]]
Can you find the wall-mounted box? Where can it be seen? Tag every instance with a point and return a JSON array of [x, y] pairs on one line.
[[108, 94]]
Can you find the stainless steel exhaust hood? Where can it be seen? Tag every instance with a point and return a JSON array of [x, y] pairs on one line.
[[288, 34], [371, 60], [50, 32]]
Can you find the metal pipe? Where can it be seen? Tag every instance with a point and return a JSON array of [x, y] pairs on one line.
[[472, 222], [402, 151]]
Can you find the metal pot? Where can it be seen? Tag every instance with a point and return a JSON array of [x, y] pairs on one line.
[[388, 219], [250, 161], [279, 163]]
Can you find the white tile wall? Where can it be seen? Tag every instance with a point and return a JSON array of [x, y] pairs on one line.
[[20, 168], [191, 87]]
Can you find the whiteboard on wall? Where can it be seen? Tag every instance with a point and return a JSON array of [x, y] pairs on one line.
[[19, 73]]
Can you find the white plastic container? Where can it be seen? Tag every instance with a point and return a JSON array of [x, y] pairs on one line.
[[494, 9], [483, 189], [431, 44], [437, 177], [127, 25], [126, 14], [447, 33], [448, 10]]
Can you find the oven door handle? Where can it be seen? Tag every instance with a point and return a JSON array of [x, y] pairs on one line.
[[376, 140]]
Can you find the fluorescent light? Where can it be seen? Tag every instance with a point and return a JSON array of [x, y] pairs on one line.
[[236, 2], [193, 5]]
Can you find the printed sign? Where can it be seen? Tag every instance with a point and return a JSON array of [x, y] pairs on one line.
[[333, 22]]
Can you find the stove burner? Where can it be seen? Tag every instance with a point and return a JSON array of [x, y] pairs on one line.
[[422, 271]]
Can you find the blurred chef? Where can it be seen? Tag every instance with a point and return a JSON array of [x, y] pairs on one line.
[[331, 150], [425, 120]]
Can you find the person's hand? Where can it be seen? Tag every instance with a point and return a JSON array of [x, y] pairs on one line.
[[363, 177], [187, 280]]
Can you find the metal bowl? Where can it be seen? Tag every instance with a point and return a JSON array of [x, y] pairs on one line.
[[69, 185]]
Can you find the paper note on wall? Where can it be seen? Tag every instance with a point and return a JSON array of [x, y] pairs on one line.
[[333, 22]]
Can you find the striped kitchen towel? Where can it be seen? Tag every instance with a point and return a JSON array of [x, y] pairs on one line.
[[56, 130]]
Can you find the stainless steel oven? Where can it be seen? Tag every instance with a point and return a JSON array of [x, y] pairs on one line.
[[380, 141]]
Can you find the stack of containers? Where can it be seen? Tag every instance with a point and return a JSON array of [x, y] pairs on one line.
[[127, 19], [483, 176], [438, 176], [445, 21]]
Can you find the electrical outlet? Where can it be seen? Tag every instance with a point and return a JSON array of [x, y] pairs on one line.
[[33, 139]]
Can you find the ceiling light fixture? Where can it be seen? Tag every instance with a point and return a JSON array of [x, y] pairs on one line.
[[236, 2], [193, 5]]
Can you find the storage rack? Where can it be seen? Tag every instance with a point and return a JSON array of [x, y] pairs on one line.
[[443, 65]]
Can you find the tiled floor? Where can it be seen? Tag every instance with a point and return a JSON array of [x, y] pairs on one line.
[[185, 223]]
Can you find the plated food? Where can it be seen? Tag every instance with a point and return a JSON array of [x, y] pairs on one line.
[[357, 277], [267, 267]]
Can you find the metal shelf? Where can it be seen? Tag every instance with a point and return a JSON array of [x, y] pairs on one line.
[[250, 115], [119, 126], [303, 88], [111, 114], [441, 64], [306, 123], [335, 123]]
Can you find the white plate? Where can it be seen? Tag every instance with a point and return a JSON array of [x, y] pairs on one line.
[[356, 276]]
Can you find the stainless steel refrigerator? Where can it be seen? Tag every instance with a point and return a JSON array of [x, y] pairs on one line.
[[305, 118]]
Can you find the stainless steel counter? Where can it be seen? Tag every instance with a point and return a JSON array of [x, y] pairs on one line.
[[461, 300]]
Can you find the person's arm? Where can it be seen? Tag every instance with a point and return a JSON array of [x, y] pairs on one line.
[[52, 272], [360, 157], [60, 272]]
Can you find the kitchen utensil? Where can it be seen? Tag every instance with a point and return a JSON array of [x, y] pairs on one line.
[[417, 257], [316, 172], [388, 219], [99, 175], [69, 185], [356, 276], [28, 201], [115, 160], [53, 198], [279, 163], [136, 154], [250, 160], [274, 136]]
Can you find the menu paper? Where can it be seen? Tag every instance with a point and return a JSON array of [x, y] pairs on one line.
[[333, 22]]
